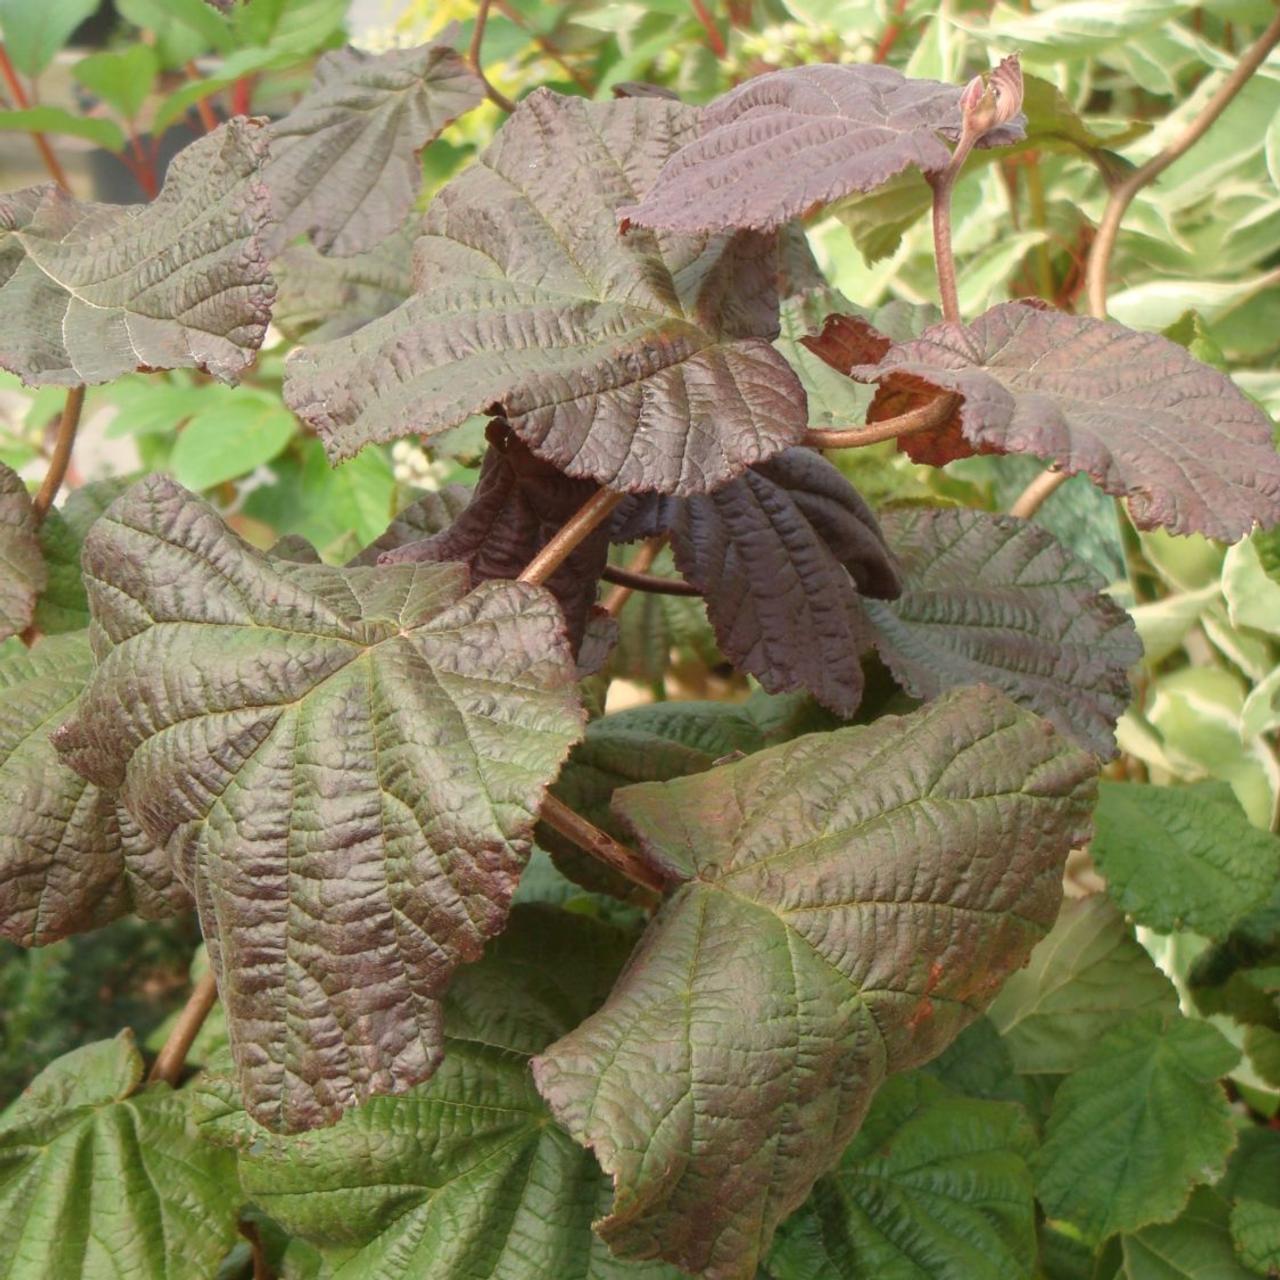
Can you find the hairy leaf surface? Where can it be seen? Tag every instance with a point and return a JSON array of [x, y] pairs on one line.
[[1132, 410], [344, 764], [995, 600], [836, 914], [932, 1182], [23, 575], [641, 362], [786, 143], [91, 291], [344, 165], [71, 858], [98, 1184]]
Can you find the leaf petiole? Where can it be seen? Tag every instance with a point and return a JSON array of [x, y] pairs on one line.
[[923, 418], [591, 514], [602, 846]]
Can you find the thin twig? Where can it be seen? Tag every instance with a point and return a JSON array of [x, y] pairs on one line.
[[923, 418], [1031, 499], [1121, 195], [891, 32], [636, 580], [496, 96], [548, 46], [208, 121], [173, 1056], [943, 184], [22, 102], [640, 562], [593, 512], [601, 845], [714, 38], [62, 447]]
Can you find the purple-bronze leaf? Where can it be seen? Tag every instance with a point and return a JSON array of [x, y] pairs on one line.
[[71, 858], [786, 143], [783, 556], [519, 503], [23, 573], [643, 362], [344, 764], [344, 165], [428, 515], [1133, 411], [91, 291], [996, 600], [841, 907]]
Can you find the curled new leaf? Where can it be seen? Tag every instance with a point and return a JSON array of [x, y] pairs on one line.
[[23, 574], [842, 906], [344, 764], [91, 291], [344, 162], [1134, 411], [640, 361], [785, 143], [995, 600]]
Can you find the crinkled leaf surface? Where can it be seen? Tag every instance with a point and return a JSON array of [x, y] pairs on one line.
[[995, 600], [783, 144], [1197, 1245], [344, 765], [99, 1185], [1089, 975], [1182, 857], [344, 165], [71, 858], [427, 515], [1133, 1131], [91, 291], [933, 1184], [1255, 1229], [23, 575], [784, 556], [842, 905], [640, 361], [1132, 410], [519, 504], [466, 1176]]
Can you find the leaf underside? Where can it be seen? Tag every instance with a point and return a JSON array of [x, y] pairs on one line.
[[91, 291], [345, 767], [23, 574], [640, 362], [834, 917], [787, 142], [995, 600]]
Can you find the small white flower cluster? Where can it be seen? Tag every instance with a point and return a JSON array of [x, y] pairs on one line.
[[413, 466]]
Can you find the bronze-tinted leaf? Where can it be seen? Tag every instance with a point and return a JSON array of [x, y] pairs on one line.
[[784, 144], [1134, 411], [23, 573], [429, 514], [344, 165], [344, 764], [995, 600], [91, 291], [640, 361], [842, 906]]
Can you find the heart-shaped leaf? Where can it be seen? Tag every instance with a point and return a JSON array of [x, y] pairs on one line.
[[842, 906], [345, 766], [640, 361], [1134, 411], [995, 600], [344, 165], [81, 295], [786, 143], [23, 575]]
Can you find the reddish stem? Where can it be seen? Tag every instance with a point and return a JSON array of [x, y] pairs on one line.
[[143, 167], [207, 119], [714, 38], [242, 96], [22, 102], [891, 32]]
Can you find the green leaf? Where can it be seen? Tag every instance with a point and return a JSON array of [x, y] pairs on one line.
[[23, 575], [1182, 857], [1253, 594], [1075, 29], [835, 916], [345, 764], [102, 133], [1195, 1246], [1255, 1229], [183, 29], [978, 1064], [466, 1176], [123, 79], [34, 32], [98, 1183], [231, 439], [1088, 976], [1132, 1132], [934, 1184]]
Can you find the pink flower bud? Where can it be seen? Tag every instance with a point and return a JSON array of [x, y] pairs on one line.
[[991, 100]]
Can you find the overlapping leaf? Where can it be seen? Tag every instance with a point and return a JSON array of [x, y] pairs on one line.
[[642, 362], [836, 915], [23, 575], [344, 764], [71, 858], [785, 143], [1132, 410], [344, 165], [99, 1183], [990, 599], [784, 557], [1197, 1245], [91, 291]]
